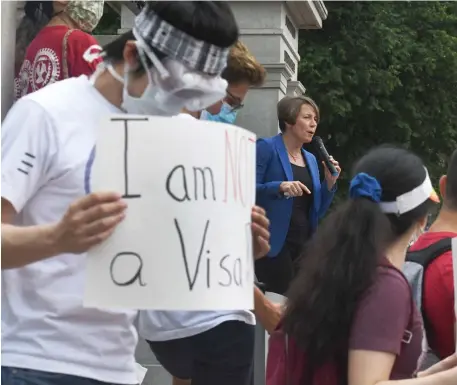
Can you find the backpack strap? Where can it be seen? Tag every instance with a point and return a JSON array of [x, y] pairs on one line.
[[407, 334], [426, 256], [66, 75]]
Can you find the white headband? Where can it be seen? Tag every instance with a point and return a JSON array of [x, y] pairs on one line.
[[412, 199]]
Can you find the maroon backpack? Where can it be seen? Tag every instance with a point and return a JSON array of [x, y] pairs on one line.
[[286, 363]]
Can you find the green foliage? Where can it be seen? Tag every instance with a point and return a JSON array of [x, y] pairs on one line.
[[385, 72]]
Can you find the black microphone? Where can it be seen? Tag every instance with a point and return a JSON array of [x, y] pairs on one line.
[[323, 154]]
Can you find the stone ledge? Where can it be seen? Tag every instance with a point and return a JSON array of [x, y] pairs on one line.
[[307, 14], [278, 75], [295, 88], [270, 32]]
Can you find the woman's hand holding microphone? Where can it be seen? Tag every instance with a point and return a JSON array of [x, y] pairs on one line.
[[293, 189]]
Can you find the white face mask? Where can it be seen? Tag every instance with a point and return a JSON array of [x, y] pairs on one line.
[[145, 104], [171, 87]]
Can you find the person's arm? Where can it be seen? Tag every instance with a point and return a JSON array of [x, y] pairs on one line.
[[24, 245], [29, 148], [87, 222], [268, 313], [441, 366], [376, 365], [264, 153], [373, 367], [376, 339]]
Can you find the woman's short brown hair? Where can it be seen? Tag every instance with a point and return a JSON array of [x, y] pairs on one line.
[[242, 66], [289, 108]]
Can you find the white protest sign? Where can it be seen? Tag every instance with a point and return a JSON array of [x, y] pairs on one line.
[[185, 243], [454, 265]]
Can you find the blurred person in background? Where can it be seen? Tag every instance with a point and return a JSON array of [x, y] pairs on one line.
[[57, 50], [438, 304], [242, 72], [290, 190]]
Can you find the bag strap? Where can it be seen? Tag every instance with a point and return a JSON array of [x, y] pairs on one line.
[[65, 54], [426, 256], [407, 335]]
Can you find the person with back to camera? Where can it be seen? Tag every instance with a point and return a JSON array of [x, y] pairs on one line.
[[350, 309], [50, 217], [56, 52], [438, 299], [290, 190]]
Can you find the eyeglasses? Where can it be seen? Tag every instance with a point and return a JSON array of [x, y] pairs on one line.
[[233, 101]]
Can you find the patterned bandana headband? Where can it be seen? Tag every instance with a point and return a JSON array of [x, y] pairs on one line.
[[196, 54]]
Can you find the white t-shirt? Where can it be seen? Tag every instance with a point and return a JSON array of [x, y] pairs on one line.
[[47, 139], [156, 325]]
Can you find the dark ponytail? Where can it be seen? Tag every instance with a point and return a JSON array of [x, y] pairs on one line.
[[339, 263]]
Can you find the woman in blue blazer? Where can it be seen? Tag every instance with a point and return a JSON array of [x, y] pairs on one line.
[[290, 190]]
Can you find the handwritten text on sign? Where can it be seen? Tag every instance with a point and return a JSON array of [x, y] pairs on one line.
[[186, 241]]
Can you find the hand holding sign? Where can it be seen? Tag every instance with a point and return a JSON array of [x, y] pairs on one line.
[[88, 222], [260, 232]]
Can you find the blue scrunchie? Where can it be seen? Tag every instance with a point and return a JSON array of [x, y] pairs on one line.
[[366, 186]]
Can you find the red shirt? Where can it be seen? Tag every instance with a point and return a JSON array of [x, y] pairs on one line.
[[438, 300], [43, 59]]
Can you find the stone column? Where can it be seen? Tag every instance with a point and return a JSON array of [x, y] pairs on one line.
[[270, 30]]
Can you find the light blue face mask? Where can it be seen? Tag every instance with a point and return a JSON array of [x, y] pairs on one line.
[[226, 115]]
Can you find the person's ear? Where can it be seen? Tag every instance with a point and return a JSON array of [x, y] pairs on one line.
[[443, 184], [130, 54]]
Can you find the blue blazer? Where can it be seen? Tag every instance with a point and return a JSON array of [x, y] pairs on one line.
[[273, 168]]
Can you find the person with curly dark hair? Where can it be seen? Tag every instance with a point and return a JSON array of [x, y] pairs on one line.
[[350, 303]]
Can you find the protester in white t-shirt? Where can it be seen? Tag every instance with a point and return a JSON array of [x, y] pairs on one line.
[[50, 218], [212, 347]]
